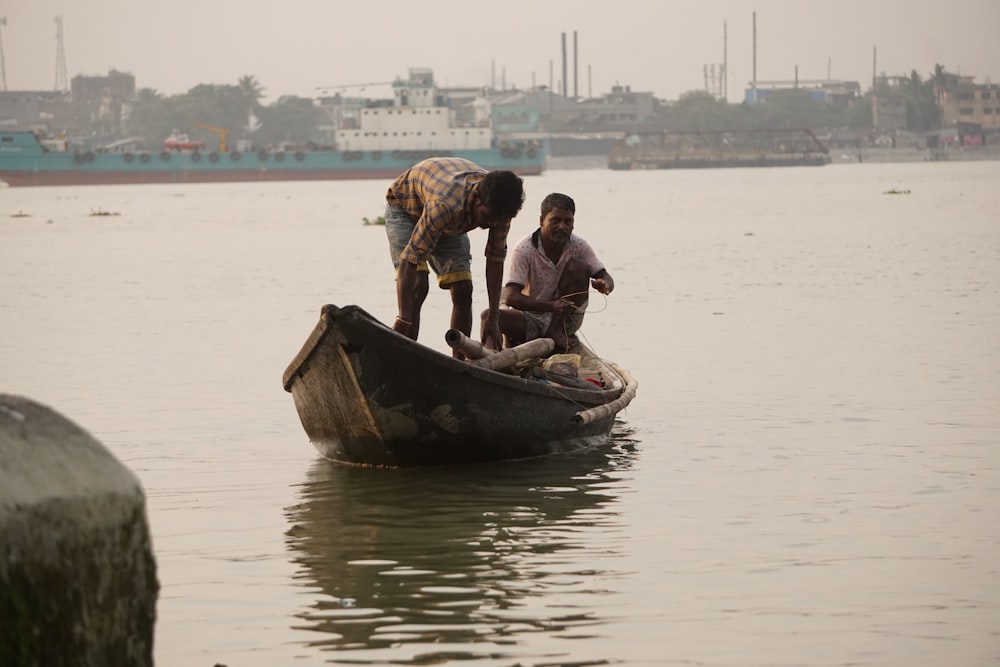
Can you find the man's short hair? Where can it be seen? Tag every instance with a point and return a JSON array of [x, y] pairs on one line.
[[558, 200], [503, 193]]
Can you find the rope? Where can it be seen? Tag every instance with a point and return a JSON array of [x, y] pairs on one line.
[[565, 332], [582, 310]]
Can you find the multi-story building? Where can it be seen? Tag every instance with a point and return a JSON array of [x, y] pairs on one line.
[[102, 100], [972, 108], [836, 93], [889, 103], [35, 109]]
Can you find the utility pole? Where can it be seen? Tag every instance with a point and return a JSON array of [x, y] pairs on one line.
[[3, 64], [875, 99], [753, 84], [725, 62], [62, 81]]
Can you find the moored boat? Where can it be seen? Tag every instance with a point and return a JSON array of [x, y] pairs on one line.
[[25, 162], [368, 395], [380, 142], [178, 141], [721, 148]]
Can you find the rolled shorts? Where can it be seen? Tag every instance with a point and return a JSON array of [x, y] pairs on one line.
[[536, 325], [451, 259]]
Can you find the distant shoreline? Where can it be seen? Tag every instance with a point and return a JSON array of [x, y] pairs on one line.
[[840, 156], [915, 154]]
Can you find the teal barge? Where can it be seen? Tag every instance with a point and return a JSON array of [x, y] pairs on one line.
[[380, 140], [25, 161]]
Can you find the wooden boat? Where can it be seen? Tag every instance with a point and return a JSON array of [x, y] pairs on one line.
[[368, 395]]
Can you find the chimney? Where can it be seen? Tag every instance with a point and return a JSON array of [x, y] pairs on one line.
[[576, 92], [564, 64]]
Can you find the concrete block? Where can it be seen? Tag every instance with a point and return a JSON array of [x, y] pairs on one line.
[[77, 574]]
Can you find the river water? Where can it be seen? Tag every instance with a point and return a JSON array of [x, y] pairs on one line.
[[809, 475]]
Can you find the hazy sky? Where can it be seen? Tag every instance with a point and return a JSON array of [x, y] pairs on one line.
[[659, 46]]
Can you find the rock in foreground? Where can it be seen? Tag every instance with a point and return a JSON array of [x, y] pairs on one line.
[[77, 574]]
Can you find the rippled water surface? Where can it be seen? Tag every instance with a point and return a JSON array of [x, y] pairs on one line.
[[809, 475]]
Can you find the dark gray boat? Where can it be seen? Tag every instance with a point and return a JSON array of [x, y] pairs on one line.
[[713, 149], [370, 396]]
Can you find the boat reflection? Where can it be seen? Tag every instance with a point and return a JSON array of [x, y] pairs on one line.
[[420, 565]]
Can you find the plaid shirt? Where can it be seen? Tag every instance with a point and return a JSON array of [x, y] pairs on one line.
[[436, 194]]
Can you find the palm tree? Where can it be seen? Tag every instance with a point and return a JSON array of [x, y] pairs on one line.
[[251, 91]]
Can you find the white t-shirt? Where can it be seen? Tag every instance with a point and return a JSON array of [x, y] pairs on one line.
[[531, 267]]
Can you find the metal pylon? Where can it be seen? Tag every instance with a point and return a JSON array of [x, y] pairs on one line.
[[62, 81]]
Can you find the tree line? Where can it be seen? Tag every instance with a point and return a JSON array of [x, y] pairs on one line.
[[235, 108], [294, 119], [788, 109]]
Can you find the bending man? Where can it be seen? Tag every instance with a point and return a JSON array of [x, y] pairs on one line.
[[429, 210]]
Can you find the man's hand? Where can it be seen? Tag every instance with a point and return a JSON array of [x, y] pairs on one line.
[[603, 286], [563, 305], [492, 339]]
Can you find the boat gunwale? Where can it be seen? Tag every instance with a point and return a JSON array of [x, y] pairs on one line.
[[326, 325]]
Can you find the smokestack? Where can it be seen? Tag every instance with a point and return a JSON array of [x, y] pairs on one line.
[[564, 64], [874, 65], [875, 100], [725, 63], [753, 83], [576, 82], [552, 91]]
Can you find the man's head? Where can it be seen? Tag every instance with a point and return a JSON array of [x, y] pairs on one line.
[[556, 221], [501, 194], [557, 200]]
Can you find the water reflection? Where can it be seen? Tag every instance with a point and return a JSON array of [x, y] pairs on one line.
[[422, 565]]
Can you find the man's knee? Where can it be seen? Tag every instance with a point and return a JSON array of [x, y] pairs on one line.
[[461, 292], [512, 325]]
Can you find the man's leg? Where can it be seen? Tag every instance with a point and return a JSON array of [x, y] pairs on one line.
[[461, 306], [418, 299], [452, 261], [398, 228], [513, 326]]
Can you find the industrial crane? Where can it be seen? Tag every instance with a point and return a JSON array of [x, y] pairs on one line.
[[220, 132]]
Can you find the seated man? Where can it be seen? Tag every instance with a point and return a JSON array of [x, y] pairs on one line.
[[546, 290]]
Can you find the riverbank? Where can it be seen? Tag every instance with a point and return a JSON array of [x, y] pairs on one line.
[[839, 156], [882, 155]]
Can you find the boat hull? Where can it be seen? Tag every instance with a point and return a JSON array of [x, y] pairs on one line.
[[368, 395], [23, 163], [721, 163], [41, 177], [715, 149]]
